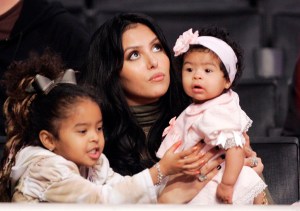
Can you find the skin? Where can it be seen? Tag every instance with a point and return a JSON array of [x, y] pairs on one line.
[[81, 141], [143, 59], [202, 77], [7, 5], [81, 137], [145, 74], [204, 80]]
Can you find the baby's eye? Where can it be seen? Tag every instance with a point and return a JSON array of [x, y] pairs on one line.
[[208, 70], [134, 55], [157, 47], [100, 128]]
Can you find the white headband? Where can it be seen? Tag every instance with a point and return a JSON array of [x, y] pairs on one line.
[[218, 46]]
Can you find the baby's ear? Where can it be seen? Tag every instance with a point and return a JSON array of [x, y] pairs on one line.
[[47, 140], [227, 84]]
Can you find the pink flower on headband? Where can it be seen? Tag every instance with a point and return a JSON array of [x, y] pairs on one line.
[[183, 42]]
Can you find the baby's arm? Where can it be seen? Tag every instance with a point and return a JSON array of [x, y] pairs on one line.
[[234, 162]]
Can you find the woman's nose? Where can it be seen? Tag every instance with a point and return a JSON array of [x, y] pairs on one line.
[[152, 62]]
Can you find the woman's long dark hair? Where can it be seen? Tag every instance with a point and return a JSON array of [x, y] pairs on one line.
[[127, 148]]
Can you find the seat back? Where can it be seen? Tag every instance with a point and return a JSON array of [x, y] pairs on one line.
[[258, 100], [174, 23], [280, 156]]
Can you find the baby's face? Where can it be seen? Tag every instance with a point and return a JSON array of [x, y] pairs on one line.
[[81, 138], [202, 76]]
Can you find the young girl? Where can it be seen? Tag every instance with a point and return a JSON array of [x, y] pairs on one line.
[[55, 143], [210, 66]]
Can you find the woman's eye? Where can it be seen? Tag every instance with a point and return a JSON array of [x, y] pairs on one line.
[[157, 47], [134, 55]]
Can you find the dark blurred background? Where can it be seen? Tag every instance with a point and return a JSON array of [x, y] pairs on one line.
[[267, 30]]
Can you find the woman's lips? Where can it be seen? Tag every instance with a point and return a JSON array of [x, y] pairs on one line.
[[157, 77]]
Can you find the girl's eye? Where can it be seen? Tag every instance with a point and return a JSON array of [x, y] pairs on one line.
[[134, 55], [82, 131], [100, 128], [208, 70], [188, 69], [157, 47]]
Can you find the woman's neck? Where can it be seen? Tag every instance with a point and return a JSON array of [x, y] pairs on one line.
[[6, 5], [146, 115]]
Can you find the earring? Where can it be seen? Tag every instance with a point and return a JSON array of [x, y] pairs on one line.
[[51, 150]]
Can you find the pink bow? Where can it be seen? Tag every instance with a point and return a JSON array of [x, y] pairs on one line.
[[171, 125], [183, 42]]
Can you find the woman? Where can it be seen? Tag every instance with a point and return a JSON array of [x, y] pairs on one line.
[[130, 64]]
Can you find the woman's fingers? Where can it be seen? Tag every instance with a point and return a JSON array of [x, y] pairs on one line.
[[258, 166], [190, 153], [247, 139], [249, 152], [209, 176], [209, 154], [175, 146], [208, 167]]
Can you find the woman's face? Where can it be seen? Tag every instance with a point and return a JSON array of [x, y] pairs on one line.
[[145, 74]]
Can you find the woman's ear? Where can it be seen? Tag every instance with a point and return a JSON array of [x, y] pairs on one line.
[[47, 140]]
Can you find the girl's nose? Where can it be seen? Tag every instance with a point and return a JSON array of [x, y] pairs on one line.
[[94, 136]]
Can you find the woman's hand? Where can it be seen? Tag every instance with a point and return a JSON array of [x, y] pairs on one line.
[[182, 188], [186, 161], [258, 168], [251, 159]]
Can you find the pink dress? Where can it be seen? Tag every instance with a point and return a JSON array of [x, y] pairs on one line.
[[219, 122]]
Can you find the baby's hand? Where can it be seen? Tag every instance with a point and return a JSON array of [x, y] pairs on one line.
[[224, 193], [187, 161]]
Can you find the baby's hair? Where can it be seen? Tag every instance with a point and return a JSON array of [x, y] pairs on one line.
[[28, 113], [222, 34]]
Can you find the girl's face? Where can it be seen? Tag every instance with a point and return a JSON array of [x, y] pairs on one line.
[[145, 74], [80, 135], [202, 77]]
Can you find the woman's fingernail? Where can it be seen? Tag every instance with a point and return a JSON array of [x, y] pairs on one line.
[[179, 143], [201, 154], [219, 167], [223, 156]]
